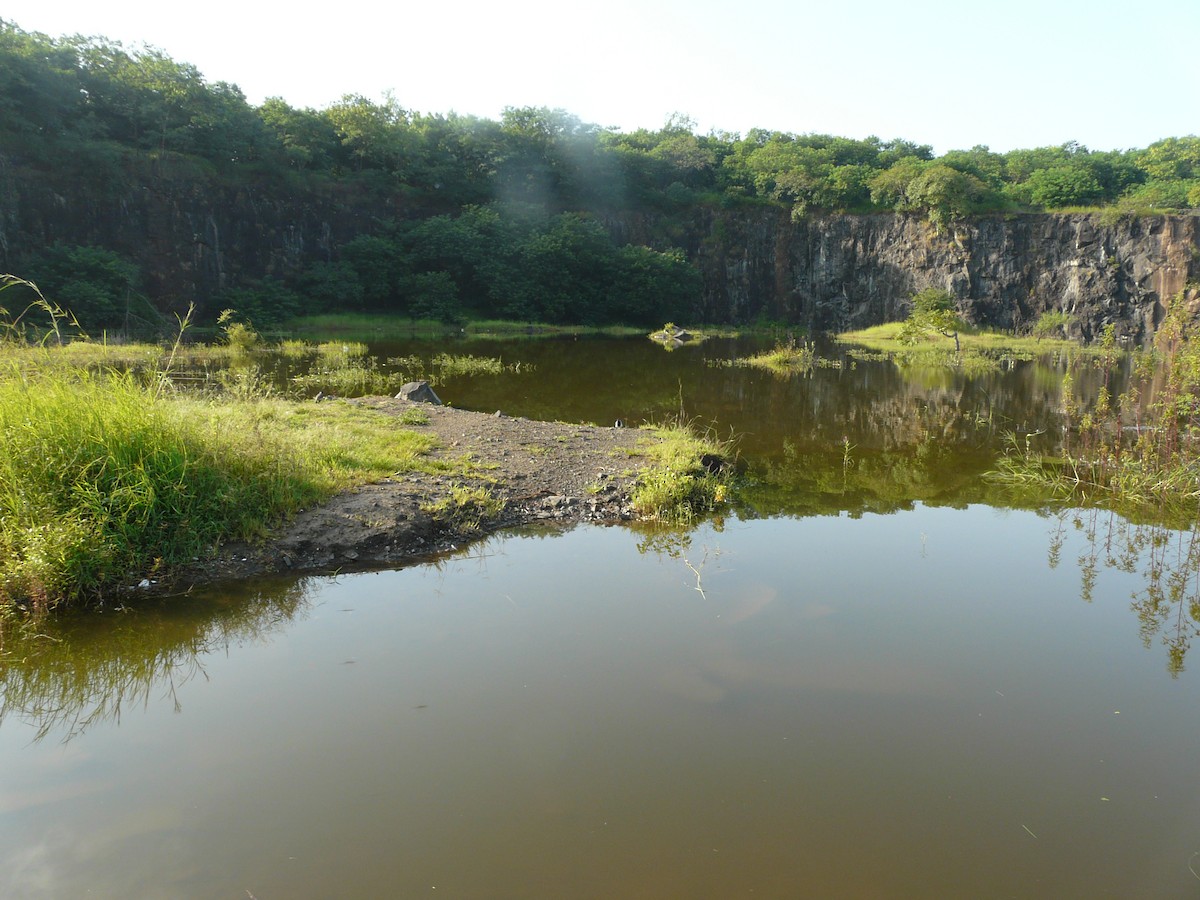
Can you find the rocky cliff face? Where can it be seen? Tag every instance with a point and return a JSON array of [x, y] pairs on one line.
[[853, 271], [193, 235]]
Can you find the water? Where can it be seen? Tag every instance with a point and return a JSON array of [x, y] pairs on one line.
[[862, 685]]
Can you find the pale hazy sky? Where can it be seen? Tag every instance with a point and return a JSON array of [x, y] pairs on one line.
[[951, 73]]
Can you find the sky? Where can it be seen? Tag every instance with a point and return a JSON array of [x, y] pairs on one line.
[[950, 73]]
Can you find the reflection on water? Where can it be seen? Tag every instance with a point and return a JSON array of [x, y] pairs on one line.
[[727, 712], [803, 698], [74, 672], [1166, 594]]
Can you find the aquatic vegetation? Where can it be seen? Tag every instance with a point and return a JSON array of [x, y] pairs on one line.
[[448, 365], [351, 379], [341, 353], [1139, 451], [293, 348], [688, 476], [786, 358]]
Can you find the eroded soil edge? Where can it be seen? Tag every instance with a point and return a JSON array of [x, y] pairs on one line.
[[543, 471]]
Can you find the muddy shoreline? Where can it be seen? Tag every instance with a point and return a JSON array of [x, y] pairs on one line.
[[551, 472]]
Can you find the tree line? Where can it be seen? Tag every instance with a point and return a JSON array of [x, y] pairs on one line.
[[518, 200]]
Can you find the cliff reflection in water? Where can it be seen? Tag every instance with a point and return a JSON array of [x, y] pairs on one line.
[[72, 672]]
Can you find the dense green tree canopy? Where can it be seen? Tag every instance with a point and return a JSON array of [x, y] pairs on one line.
[[521, 200]]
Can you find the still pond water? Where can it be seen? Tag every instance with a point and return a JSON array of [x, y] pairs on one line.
[[876, 677]]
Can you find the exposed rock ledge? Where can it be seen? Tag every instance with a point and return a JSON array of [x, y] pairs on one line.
[[544, 471]]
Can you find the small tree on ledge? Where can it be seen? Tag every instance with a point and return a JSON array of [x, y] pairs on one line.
[[933, 312]]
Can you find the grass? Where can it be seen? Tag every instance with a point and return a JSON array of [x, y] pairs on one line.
[[466, 509], [341, 353], [786, 358], [886, 337], [688, 473], [446, 365], [351, 381], [365, 326], [982, 351], [102, 478], [381, 325]]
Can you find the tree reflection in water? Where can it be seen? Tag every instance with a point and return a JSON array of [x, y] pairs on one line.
[[1167, 560], [71, 672]]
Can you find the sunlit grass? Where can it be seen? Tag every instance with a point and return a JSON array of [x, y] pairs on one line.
[[101, 479], [350, 380], [341, 353], [687, 476], [887, 337]]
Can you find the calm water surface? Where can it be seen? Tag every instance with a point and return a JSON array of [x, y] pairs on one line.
[[874, 680]]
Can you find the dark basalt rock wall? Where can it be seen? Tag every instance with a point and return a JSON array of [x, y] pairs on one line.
[[194, 234], [843, 272]]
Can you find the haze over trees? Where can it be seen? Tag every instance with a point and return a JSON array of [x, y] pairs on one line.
[[507, 218]]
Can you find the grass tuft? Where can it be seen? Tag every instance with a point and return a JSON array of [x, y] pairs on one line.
[[688, 476]]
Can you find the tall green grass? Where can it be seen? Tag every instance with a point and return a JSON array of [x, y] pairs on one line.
[[103, 480]]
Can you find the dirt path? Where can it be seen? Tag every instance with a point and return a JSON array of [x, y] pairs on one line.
[[541, 470]]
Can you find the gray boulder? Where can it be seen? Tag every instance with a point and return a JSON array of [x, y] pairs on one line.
[[419, 392]]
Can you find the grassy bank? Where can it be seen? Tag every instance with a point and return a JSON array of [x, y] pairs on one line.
[[103, 478], [887, 337], [106, 479]]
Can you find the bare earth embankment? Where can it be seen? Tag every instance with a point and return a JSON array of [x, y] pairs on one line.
[[542, 471]]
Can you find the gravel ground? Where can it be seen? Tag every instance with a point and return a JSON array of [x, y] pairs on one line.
[[543, 471]]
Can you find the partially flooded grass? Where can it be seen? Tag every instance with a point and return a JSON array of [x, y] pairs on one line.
[[785, 359], [981, 351], [341, 353], [1138, 452], [365, 326], [350, 380], [887, 337], [449, 365], [446, 365], [688, 473]]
